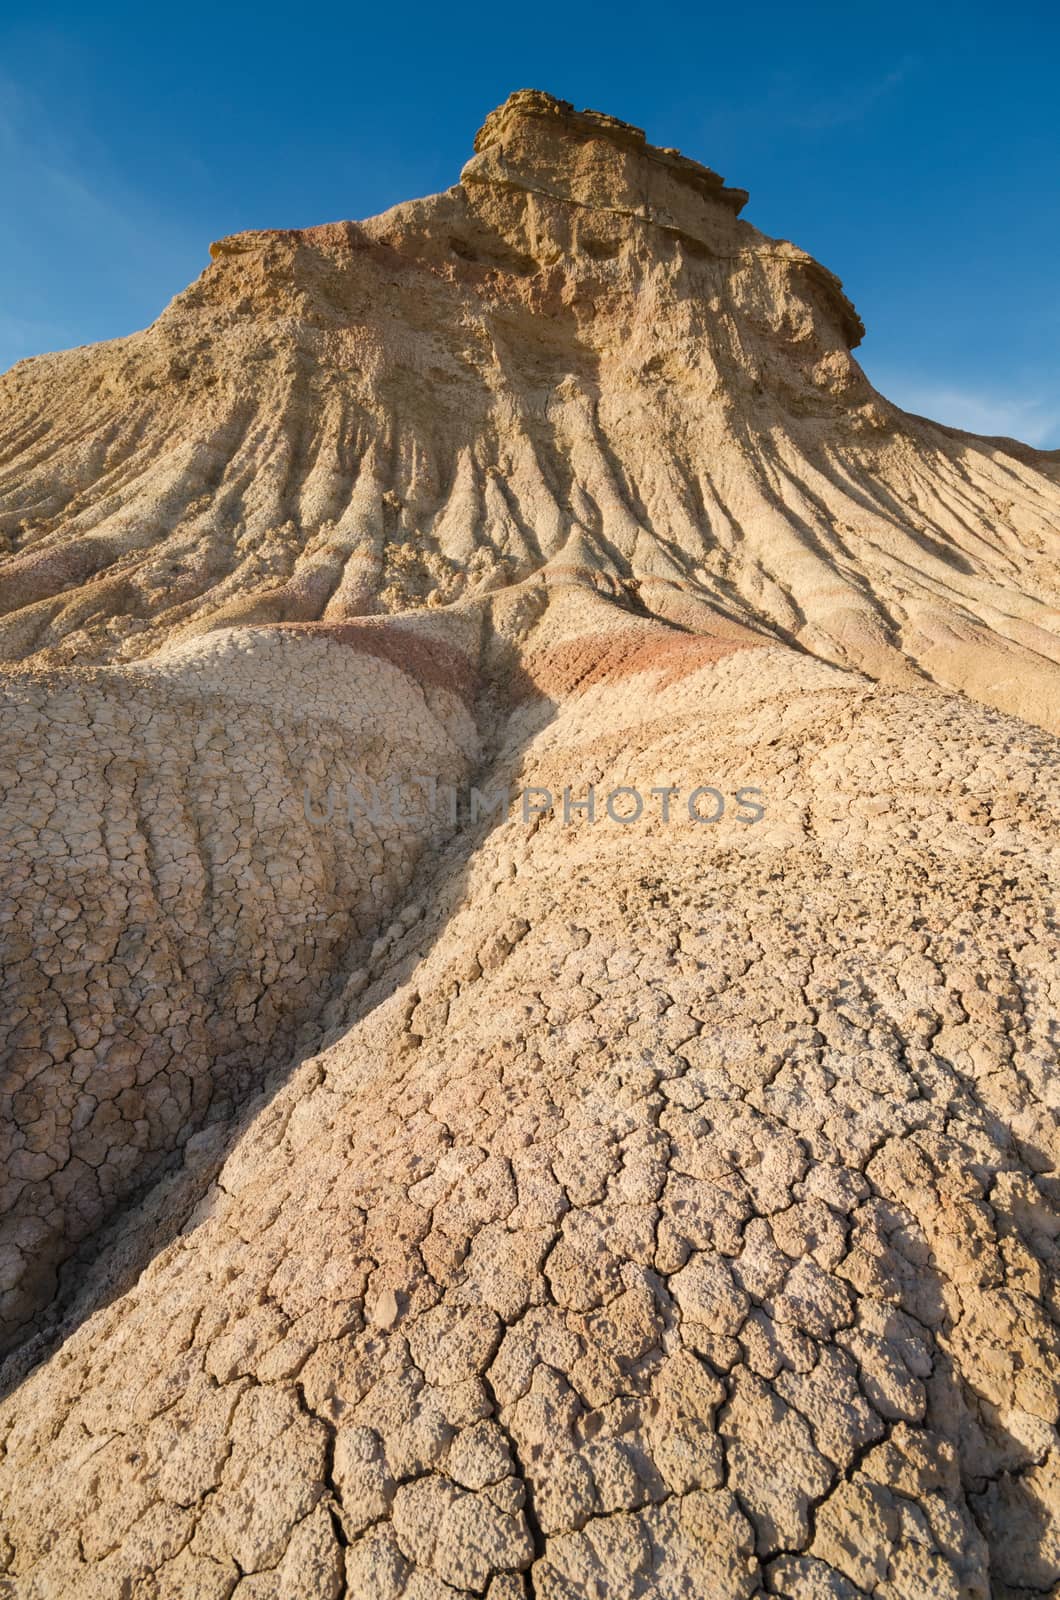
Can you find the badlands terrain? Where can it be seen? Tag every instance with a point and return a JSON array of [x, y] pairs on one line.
[[418, 1180]]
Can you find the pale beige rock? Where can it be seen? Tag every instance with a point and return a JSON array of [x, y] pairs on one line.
[[508, 1206]]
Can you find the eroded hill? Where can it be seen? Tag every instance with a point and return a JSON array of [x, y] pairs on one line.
[[403, 1204]]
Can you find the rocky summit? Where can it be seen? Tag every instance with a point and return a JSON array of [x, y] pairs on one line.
[[530, 962]]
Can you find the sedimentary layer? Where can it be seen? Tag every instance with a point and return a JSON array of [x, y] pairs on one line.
[[580, 358], [427, 1173]]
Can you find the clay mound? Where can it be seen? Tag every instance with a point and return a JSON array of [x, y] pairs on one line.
[[174, 909], [670, 1214], [579, 360], [426, 1173]]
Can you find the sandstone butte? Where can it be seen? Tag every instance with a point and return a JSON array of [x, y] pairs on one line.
[[395, 1208]]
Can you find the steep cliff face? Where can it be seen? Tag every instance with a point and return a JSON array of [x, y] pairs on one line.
[[571, 1200], [577, 361]]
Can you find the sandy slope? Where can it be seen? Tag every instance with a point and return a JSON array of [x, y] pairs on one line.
[[405, 1205]]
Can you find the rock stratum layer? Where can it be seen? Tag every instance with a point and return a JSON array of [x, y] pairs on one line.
[[399, 1204]]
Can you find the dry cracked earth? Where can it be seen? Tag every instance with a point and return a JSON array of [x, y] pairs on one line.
[[418, 1182]]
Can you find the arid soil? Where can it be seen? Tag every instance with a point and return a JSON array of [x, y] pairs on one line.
[[401, 1203]]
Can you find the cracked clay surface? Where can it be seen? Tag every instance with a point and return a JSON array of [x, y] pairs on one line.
[[398, 1205], [671, 1214]]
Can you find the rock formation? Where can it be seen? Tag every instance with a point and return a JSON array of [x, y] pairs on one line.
[[421, 1179]]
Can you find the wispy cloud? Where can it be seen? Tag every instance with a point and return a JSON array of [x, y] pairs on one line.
[[853, 102], [89, 252], [801, 103], [50, 174], [1034, 418], [27, 336]]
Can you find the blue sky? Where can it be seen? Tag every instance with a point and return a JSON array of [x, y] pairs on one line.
[[915, 150]]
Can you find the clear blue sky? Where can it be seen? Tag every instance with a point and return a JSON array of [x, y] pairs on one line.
[[915, 149]]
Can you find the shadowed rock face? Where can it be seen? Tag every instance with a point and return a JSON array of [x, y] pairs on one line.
[[176, 907], [404, 1205]]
